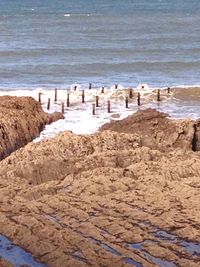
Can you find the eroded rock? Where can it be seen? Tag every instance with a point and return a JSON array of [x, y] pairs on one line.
[[158, 131], [21, 120], [102, 200]]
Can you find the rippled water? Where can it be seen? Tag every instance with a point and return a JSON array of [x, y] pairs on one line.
[[56, 43]]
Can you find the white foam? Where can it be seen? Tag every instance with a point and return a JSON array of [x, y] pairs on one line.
[[79, 118], [119, 86], [143, 86], [186, 86], [67, 15], [75, 85]]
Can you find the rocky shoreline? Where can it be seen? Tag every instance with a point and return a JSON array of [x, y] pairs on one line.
[[125, 196], [157, 131]]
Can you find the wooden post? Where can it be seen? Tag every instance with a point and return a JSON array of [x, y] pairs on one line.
[[116, 86], [108, 106], [83, 96], [168, 90], [158, 95], [130, 93], [68, 100], [90, 86], [55, 98], [102, 90], [126, 101], [63, 107], [138, 99], [93, 109], [48, 103], [97, 101], [39, 97], [75, 87]]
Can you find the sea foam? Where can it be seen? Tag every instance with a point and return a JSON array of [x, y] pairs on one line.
[[180, 103]]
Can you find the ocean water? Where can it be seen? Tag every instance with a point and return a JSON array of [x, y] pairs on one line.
[[56, 43], [62, 43]]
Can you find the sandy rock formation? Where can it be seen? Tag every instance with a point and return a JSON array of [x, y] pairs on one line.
[[21, 120], [102, 200], [158, 131]]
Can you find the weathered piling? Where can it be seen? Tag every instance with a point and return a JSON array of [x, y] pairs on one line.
[[48, 103], [126, 102], [63, 107], [116, 86], [75, 87], [97, 101], [83, 96], [168, 90], [138, 99], [102, 90], [68, 104], [90, 86], [39, 97], [109, 106], [158, 95], [93, 109], [130, 93], [56, 94]]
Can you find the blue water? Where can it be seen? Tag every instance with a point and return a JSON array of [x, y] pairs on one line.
[[16, 255], [52, 43]]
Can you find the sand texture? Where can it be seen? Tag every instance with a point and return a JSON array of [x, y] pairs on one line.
[[109, 199], [21, 120]]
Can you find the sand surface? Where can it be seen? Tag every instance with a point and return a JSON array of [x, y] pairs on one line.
[[126, 196]]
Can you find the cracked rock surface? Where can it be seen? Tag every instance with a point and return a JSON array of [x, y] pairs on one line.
[[103, 200]]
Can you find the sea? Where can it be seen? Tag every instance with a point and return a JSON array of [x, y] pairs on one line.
[[48, 43], [66, 44]]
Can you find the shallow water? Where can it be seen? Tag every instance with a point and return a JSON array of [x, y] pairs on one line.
[[132, 262], [191, 248], [78, 116], [16, 255]]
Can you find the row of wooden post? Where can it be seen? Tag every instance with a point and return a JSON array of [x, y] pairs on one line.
[[102, 91], [97, 100], [93, 109]]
